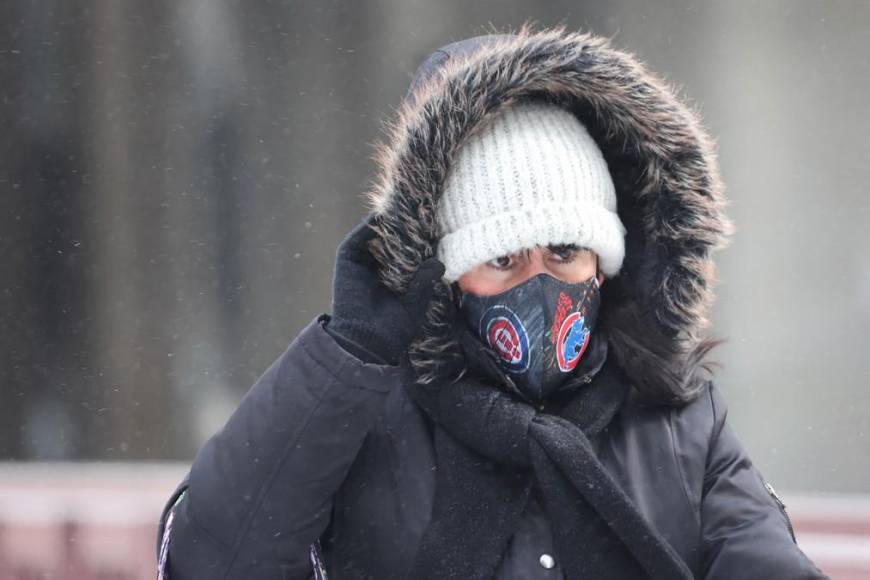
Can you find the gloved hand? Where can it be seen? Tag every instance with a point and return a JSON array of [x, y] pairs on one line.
[[369, 320]]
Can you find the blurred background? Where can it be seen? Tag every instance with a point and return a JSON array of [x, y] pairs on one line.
[[175, 177]]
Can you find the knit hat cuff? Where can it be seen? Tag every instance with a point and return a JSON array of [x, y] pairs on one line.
[[585, 224]]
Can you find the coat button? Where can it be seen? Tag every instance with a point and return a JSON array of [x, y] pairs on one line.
[[547, 561]]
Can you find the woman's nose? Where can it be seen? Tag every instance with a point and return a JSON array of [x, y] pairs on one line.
[[536, 264]]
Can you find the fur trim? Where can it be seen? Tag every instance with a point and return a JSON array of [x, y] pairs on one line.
[[670, 195]]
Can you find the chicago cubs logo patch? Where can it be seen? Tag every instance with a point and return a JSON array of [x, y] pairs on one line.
[[571, 342], [507, 337]]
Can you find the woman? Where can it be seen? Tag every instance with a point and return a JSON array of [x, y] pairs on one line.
[[513, 381]]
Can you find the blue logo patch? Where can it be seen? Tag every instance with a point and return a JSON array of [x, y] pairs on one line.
[[571, 342]]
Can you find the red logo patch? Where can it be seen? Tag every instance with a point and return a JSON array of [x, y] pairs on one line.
[[563, 306], [504, 340]]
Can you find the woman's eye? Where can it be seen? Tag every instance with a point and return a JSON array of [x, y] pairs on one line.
[[564, 253], [502, 262]]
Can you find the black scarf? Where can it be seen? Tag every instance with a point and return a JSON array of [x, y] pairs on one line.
[[492, 448]]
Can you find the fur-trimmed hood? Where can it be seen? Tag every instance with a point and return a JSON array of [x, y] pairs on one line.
[[662, 161]]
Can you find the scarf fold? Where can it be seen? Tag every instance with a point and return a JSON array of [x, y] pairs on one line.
[[492, 448]]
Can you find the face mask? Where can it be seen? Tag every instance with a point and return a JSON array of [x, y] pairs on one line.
[[539, 329]]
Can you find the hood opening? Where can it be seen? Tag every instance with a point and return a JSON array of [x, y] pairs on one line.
[[662, 162]]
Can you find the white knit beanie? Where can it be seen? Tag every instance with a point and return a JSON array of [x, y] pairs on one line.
[[531, 176]]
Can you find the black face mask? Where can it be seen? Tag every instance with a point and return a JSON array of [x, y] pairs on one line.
[[539, 329]]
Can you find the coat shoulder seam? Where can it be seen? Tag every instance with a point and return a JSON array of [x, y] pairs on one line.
[[682, 472]]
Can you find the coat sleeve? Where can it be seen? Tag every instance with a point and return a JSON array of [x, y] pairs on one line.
[[745, 530], [259, 492]]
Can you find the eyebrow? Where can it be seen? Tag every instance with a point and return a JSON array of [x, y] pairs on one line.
[[566, 247], [551, 247]]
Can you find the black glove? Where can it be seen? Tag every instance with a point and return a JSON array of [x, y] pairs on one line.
[[370, 321]]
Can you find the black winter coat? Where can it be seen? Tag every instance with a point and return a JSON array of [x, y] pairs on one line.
[[328, 464], [325, 446]]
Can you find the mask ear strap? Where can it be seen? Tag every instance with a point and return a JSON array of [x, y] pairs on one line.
[[598, 274]]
